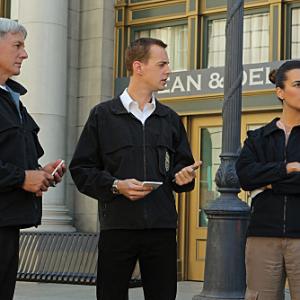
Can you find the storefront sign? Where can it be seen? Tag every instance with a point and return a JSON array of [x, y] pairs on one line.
[[211, 81]]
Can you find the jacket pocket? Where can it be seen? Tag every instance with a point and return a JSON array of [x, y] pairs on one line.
[[118, 153], [7, 128], [10, 139], [116, 141]]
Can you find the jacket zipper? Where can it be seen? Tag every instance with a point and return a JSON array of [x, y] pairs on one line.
[[144, 153], [284, 214], [285, 197], [144, 148], [145, 168]]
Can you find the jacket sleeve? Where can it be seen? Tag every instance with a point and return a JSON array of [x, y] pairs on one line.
[[253, 174], [87, 168], [182, 158], [289, 185], [11, 177]]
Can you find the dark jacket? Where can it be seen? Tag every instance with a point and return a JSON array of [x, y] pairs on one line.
[[274, 212], [114, 144], [19, 151]]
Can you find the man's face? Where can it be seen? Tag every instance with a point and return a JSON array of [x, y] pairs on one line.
[[156, 70], [12, 54]]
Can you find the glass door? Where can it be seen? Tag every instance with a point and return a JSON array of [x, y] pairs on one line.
[[206, 140], [206, 143]]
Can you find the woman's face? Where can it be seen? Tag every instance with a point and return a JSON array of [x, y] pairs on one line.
[[291, 92]]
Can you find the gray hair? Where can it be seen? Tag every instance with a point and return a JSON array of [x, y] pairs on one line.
[[8, 25]]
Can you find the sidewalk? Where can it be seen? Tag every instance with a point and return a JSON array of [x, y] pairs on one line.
[[47, 291]]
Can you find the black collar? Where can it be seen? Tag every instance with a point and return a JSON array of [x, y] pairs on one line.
[[271, 127], [16, 87]]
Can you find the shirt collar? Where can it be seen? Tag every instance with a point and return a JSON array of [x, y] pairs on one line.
[[117, 107], [3, 87], [127, 100]]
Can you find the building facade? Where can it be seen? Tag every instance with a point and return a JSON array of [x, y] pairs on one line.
[[195, 33], [76, 59]]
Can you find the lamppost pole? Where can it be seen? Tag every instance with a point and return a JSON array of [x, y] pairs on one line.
[[224, 276]]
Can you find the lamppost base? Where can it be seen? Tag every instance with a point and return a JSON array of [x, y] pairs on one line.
[[224, 264]]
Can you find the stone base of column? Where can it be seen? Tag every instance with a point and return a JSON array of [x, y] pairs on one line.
[[55, 218]]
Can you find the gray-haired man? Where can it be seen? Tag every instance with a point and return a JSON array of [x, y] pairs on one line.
[[22, 180]]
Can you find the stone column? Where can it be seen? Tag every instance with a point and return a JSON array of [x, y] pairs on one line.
[[95, 84], [44, 74]]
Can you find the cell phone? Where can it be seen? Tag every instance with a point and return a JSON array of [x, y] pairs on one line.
[[57, 167], [153, 184]]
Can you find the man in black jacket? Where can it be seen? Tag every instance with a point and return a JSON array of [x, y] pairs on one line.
[[127, 141], [22, 180]]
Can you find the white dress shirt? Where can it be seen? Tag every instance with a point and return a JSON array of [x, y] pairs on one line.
[[132, 106]]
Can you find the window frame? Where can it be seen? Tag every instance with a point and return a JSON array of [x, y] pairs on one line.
[[207, 19], [288, 31], [144, 27]]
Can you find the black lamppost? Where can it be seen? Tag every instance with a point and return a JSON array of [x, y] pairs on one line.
[[224, 276]]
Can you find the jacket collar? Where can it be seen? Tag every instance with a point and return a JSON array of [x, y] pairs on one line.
[[118, 108], [16, 87], [271, 127]]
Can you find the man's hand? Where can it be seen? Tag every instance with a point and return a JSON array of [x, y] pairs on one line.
[[39, 184], [50, 167], [293, 167], [133, 189], [37, 181], [187, 174]]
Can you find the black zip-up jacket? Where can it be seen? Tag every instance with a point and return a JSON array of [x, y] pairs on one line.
[[116, 145], [274, 212], [19, 151]]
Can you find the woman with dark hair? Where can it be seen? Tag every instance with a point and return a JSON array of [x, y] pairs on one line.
[[269, 167]]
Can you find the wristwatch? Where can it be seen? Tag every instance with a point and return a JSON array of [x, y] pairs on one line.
[[114, 187]]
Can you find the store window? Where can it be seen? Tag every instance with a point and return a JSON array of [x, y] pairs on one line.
[[295, 42], [176, 38], [256, 40]]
